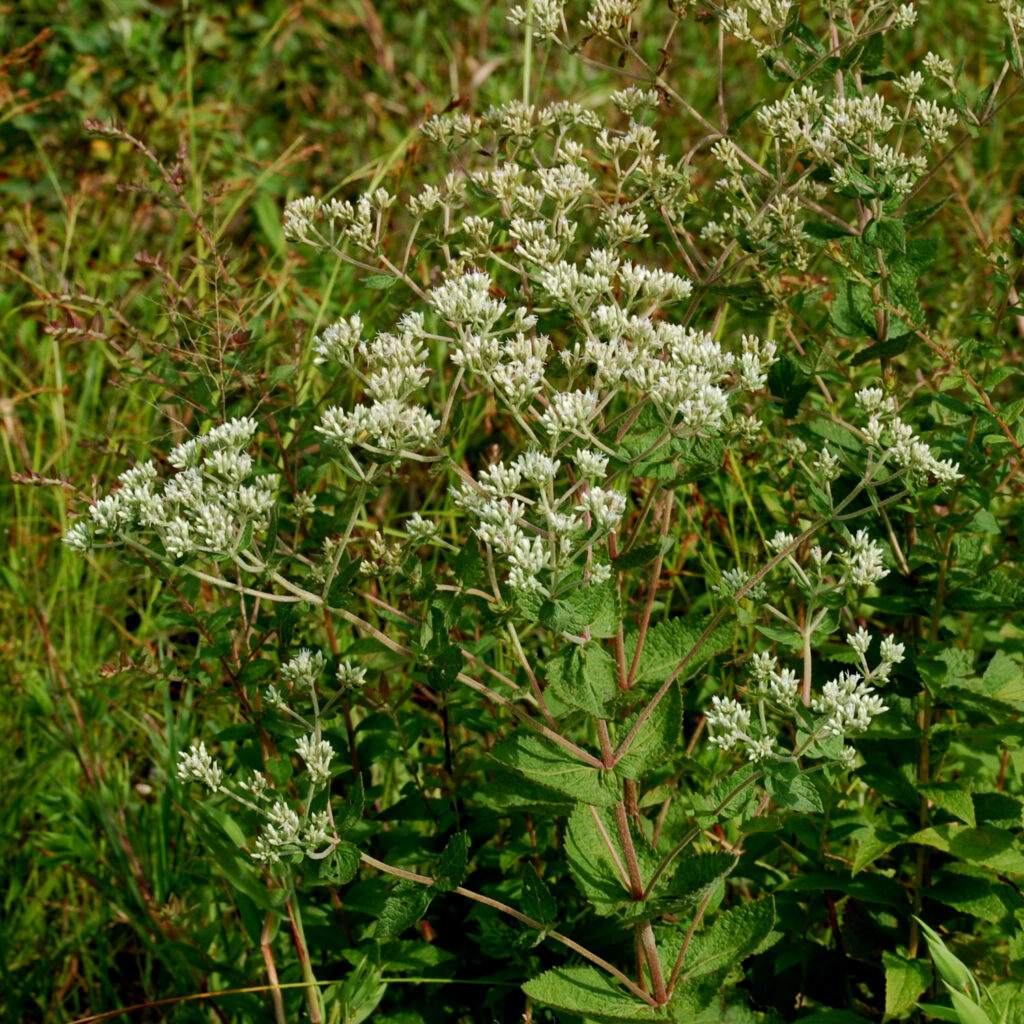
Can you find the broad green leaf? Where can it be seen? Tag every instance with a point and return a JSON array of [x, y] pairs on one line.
[[951, 797], [583, 676], [590, 993], [406, 904], [732, 797], [596, 860], [540, 760], [657, 739], [876, 843], [669, 642], [853, 311], [694, 877], [887, 234], [870, 888], [341, 866], [905, 981], [798, 794], [733, 936], [537, 901], [594, 609], [788, 384], [454, 863], [973, 890], [637, 557], [994, 847]]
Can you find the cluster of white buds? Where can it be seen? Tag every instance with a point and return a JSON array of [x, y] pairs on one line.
[[609, 18], [197, 765], [285, 832], [545, 17], [317, 754], [212, 506], [517, 512], [393, 373], [338, 222], [895, 440], [845, 706]]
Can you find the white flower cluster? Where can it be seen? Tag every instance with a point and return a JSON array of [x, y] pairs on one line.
[[861, 560], [393, 372], [287, 828], [540, 535], [609, 18], [848, 134], [197, 765], [894, 439], [336, 221], [846, 705], [285, 832], [544, 15], [211, 506]]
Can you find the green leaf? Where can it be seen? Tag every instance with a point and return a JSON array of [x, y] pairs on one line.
[[594, 609], [887, 234], [951, 797], [884, 349], [993, 847], [590, 993], [905, 981], [967, 1010], [454, 863], [540, 760], [595, 856], [953, 971], [583, 676], [669, 642], [638, 557], [227, 824], [853, 311], [788, 385], [657, 739], [341, 866], [360, 993], [406, 904], [734, 935], [694, 877], [379, 282], [468, 565], [973, 890], [537, 901], [351, 810], [876, 843], [789, 788]]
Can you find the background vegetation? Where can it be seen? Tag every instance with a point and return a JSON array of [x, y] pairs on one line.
[[148, 292]]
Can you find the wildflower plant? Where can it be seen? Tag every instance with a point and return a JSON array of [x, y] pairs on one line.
[[589, 342]]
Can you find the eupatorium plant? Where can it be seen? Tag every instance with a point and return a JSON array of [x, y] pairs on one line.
[[509, 552]]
